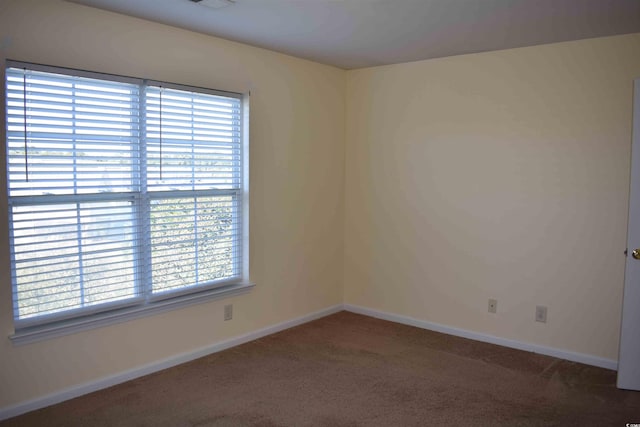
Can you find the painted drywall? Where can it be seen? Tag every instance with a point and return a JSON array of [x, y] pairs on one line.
[[297, 183], [496, 175]]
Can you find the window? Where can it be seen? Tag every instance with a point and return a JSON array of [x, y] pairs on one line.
[[123, 193]]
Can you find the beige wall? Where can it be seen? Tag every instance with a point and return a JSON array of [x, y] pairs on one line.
[[496, 175], [297, 184]]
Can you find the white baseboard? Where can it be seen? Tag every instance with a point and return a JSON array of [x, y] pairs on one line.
[[519, 345], [111, 380]]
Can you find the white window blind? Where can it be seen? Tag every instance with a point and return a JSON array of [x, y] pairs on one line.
[[121, 191]]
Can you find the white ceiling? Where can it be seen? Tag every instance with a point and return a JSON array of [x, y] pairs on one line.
[[361, 33]]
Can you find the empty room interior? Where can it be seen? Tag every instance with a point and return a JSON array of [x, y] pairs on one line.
[[481, 194]]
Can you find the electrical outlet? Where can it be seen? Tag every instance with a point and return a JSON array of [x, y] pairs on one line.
[[541, 313], [493, 305], [228, 312]]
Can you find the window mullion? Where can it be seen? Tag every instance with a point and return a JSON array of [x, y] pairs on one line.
[[144, 277], [74, 159], [195, 198]]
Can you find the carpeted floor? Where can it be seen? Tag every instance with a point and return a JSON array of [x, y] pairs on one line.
[[352, 370]]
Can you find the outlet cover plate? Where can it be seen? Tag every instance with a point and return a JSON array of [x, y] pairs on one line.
[[541, 313], [493, 305]]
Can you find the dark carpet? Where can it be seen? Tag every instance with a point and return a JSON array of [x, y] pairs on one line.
[[352, 370]]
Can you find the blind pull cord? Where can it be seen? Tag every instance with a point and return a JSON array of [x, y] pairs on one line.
[[24, 110], [161, 90]]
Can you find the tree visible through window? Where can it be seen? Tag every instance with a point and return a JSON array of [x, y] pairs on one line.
[[121, 191]]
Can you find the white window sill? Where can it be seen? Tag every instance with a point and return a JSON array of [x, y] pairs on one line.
[[39, 333]]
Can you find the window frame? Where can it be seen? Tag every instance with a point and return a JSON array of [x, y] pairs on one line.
[[146, 303]]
